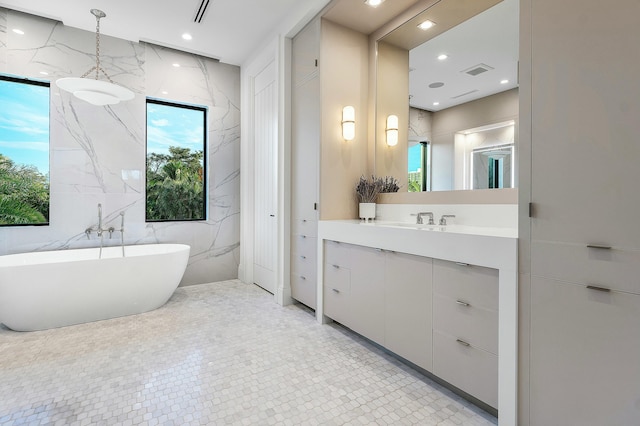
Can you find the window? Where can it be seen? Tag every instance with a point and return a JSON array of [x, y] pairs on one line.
[[24, 152], [175, 161], [419, 166]]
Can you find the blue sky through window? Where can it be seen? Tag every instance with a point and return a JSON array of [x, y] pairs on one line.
[[24, 124], [174, 126], [415, 157]]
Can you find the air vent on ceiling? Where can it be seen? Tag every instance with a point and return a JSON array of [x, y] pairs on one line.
[[477, 69], [464, 94], [204, 4]]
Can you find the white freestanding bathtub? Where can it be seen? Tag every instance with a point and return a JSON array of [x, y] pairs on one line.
[[51, 289]]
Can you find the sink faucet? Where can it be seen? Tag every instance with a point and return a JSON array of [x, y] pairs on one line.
[[419, 220], [443, 219]]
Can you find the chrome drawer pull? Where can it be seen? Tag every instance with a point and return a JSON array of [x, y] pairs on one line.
[[379, 249], [303, 277], [303, 257], [336, 266], [304, 220], [463, 343], [303, 236], [462, 264], [460, 302], [595, 287], [336, 290], [597, 246]]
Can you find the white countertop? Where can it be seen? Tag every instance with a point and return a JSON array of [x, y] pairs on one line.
[[483, 246]]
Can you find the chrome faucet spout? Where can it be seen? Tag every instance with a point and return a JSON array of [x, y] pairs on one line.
[[99, 220], [419, 220]]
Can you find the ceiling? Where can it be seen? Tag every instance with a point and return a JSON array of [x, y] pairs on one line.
[[489, 38], [230, 30]]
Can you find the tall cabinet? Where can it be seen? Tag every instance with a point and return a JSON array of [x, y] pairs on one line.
[[329, 71], [581, 251], [305, 135]]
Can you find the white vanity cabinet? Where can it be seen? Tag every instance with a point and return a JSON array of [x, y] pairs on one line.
[[382, 295], [465, 328]]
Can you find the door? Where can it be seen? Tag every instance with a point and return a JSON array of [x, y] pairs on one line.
[[265, 130]]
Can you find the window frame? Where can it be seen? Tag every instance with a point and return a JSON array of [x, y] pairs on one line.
[[205, 183], [41, 83]]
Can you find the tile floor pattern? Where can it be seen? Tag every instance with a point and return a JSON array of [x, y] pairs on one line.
[[221, 353]]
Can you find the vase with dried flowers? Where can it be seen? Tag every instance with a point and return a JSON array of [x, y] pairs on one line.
[[367, 191]]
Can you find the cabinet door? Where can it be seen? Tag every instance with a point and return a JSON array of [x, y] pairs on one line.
[[408, 307], [585, 127], [367, 292], [585, 355]]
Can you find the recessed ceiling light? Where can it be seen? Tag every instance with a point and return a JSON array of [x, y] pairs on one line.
[[186, 36], [443, 57], [18, 31], [505, 81], [426, 25], [436, 103], [373, 3], [177, 65], [164, 92], [44, 73]]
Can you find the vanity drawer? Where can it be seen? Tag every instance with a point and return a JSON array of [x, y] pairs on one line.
[[305, 245], [305, 248], [304, 265], [306, 227], [337, 253], [466, 367], [337, 279], [472, 284], [304, 289], [576, 263], [473, 324], [336, 293]]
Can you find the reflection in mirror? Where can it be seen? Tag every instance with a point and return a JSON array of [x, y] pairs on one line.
[[419, 166], [492, 167], [461, 76]]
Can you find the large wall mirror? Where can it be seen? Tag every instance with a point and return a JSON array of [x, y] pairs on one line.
[[453, 87]]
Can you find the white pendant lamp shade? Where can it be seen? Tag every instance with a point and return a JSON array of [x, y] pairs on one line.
[[92, 90], [96, 92]]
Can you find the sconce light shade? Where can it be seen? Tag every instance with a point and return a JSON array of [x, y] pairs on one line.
[[348, 123], [392, 130]]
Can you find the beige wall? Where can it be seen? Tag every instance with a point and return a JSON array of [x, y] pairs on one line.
[[344, 76], [392, 99]]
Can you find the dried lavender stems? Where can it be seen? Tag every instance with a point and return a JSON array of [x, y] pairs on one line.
[[368, 189]]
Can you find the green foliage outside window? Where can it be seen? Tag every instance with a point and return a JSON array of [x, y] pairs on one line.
[[175, 187], [24, 194]]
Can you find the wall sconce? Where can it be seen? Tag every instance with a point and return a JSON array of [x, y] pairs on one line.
[[348, 123], [392, 130]]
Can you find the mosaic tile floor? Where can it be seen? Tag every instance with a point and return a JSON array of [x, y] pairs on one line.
[[221, 353]]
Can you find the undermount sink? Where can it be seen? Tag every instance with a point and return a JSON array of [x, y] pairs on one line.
[[414, 225]]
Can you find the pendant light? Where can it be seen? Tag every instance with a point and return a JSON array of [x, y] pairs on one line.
[[92, 90]]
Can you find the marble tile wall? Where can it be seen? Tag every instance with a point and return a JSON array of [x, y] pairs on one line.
[[97, 154]]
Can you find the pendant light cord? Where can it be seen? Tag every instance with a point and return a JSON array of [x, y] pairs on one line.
[[98, 14]]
